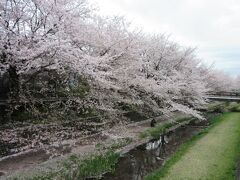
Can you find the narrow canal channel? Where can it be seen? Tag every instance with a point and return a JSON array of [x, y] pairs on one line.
[[148, 157]]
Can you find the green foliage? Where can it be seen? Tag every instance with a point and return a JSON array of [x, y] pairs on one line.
[[221, 107], [155, 132], [135, 116], [133, 112], [94, 166], [234, 107], [218, 107], [80, 88], [87, 112], [22, 116], [50, 96]]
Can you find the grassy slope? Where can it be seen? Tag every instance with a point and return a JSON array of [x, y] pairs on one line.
[[211, 155], [162, 128], [75, 168]]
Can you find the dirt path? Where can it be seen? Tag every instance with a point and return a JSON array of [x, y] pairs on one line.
[[213, 156]]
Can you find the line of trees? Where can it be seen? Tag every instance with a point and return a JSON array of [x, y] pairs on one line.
[[237, 84], [120, 66], [219, 81]]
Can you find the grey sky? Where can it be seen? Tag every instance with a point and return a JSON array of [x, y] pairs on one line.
[[213, 26]]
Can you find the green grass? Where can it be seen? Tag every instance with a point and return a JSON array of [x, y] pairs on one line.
[[219, 107], [155, 132], [212, 154], [235, 107], [75, 168]]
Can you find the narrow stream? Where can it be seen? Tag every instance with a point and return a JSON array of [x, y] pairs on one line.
[[146, 158]]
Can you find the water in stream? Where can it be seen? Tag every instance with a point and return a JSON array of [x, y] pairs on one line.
[[146, 158]]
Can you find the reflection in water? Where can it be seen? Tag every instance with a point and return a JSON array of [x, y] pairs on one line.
[[146, 158], [154, 144]]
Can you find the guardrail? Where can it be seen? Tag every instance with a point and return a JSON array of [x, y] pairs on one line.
[[233, 93], [223, 98]]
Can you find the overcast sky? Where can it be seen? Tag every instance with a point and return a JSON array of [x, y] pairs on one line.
[[213, 26]]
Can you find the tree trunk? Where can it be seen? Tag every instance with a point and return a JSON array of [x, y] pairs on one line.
[[13, 84]]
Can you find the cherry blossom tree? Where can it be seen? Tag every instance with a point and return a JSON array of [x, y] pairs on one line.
[[171, 74], [237, 84], [35, 36], [218, 81], [120, 66]]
